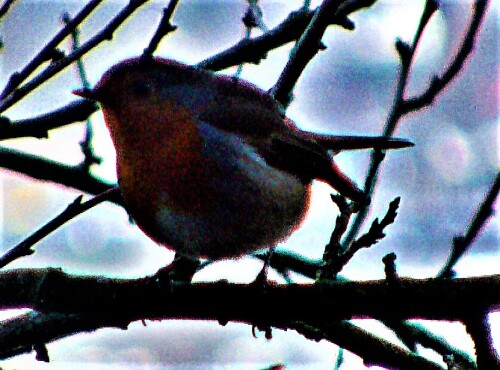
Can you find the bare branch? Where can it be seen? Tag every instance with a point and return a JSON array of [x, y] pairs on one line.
[[164, 28], [439, 83], [46, 53], [478, 328], [120, 301], [335, 258], [373, 350], [89, 156], [461, 243], [74, 209], [39, 127], [255, 49], [14, 95], [46, 169], [5, 7], [53, 290], [413, 333], [401, 105], [308, 45]]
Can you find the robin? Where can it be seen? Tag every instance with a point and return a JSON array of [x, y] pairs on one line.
[[207, 164]]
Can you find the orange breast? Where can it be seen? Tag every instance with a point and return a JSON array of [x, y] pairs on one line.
[[159, 162]]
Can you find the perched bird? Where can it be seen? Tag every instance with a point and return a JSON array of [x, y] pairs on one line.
[[207, 164]]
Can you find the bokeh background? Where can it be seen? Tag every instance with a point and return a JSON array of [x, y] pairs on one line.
[[348, 88]]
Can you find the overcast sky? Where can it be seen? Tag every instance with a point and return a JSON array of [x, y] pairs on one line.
[[346, 89]]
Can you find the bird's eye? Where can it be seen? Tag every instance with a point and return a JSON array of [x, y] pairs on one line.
[[142, 89]]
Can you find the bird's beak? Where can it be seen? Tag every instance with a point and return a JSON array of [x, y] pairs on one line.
[[86, 93]]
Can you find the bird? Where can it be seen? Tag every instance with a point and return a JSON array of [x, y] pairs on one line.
[[208, 164]]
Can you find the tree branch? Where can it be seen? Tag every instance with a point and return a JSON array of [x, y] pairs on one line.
[[462, 243], [402, 106], [478, 328], [74, 209], [52, 290], [253, 50], [163, 29], [39, 127], [116, 302], [47, 52], [45, 169], [5, 7], [14, 95], [373, 350]]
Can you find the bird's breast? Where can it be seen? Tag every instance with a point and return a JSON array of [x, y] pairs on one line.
[[207, 192]]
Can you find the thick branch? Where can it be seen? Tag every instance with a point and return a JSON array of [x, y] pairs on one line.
[[100, 301], [53, 290]]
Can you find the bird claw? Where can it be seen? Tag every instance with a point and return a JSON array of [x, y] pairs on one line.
[[182, 268], [266, 329]]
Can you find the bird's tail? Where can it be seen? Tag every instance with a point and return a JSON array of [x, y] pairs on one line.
[[337, 143]]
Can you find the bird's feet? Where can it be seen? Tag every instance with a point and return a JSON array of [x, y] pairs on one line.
[[182, 268]]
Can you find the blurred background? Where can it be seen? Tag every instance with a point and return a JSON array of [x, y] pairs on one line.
[[348, 89]]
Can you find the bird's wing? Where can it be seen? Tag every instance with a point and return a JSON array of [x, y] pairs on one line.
[[280, 143]]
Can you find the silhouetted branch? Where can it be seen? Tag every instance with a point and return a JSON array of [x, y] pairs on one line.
[[14, 95], [334, 257], [403, 105], [39, 127], [90, 157], [439, 83], [47, 52], [74, 209], [412, 334], [5, 7], [45, 169], [125, 300], [461, 243], [478, 328], [253, 50], [163, 29], [53, 290], [373, 350]]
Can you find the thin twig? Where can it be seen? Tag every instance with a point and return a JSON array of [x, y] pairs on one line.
[[339, 258], [439, 83], [403, 106], [254, 49], [39, 126], [461, 243], [77, 207], [307, 47], [5, 7], [89, 156], [57, 66], [164, 28], [46, 53], [252, 19]]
